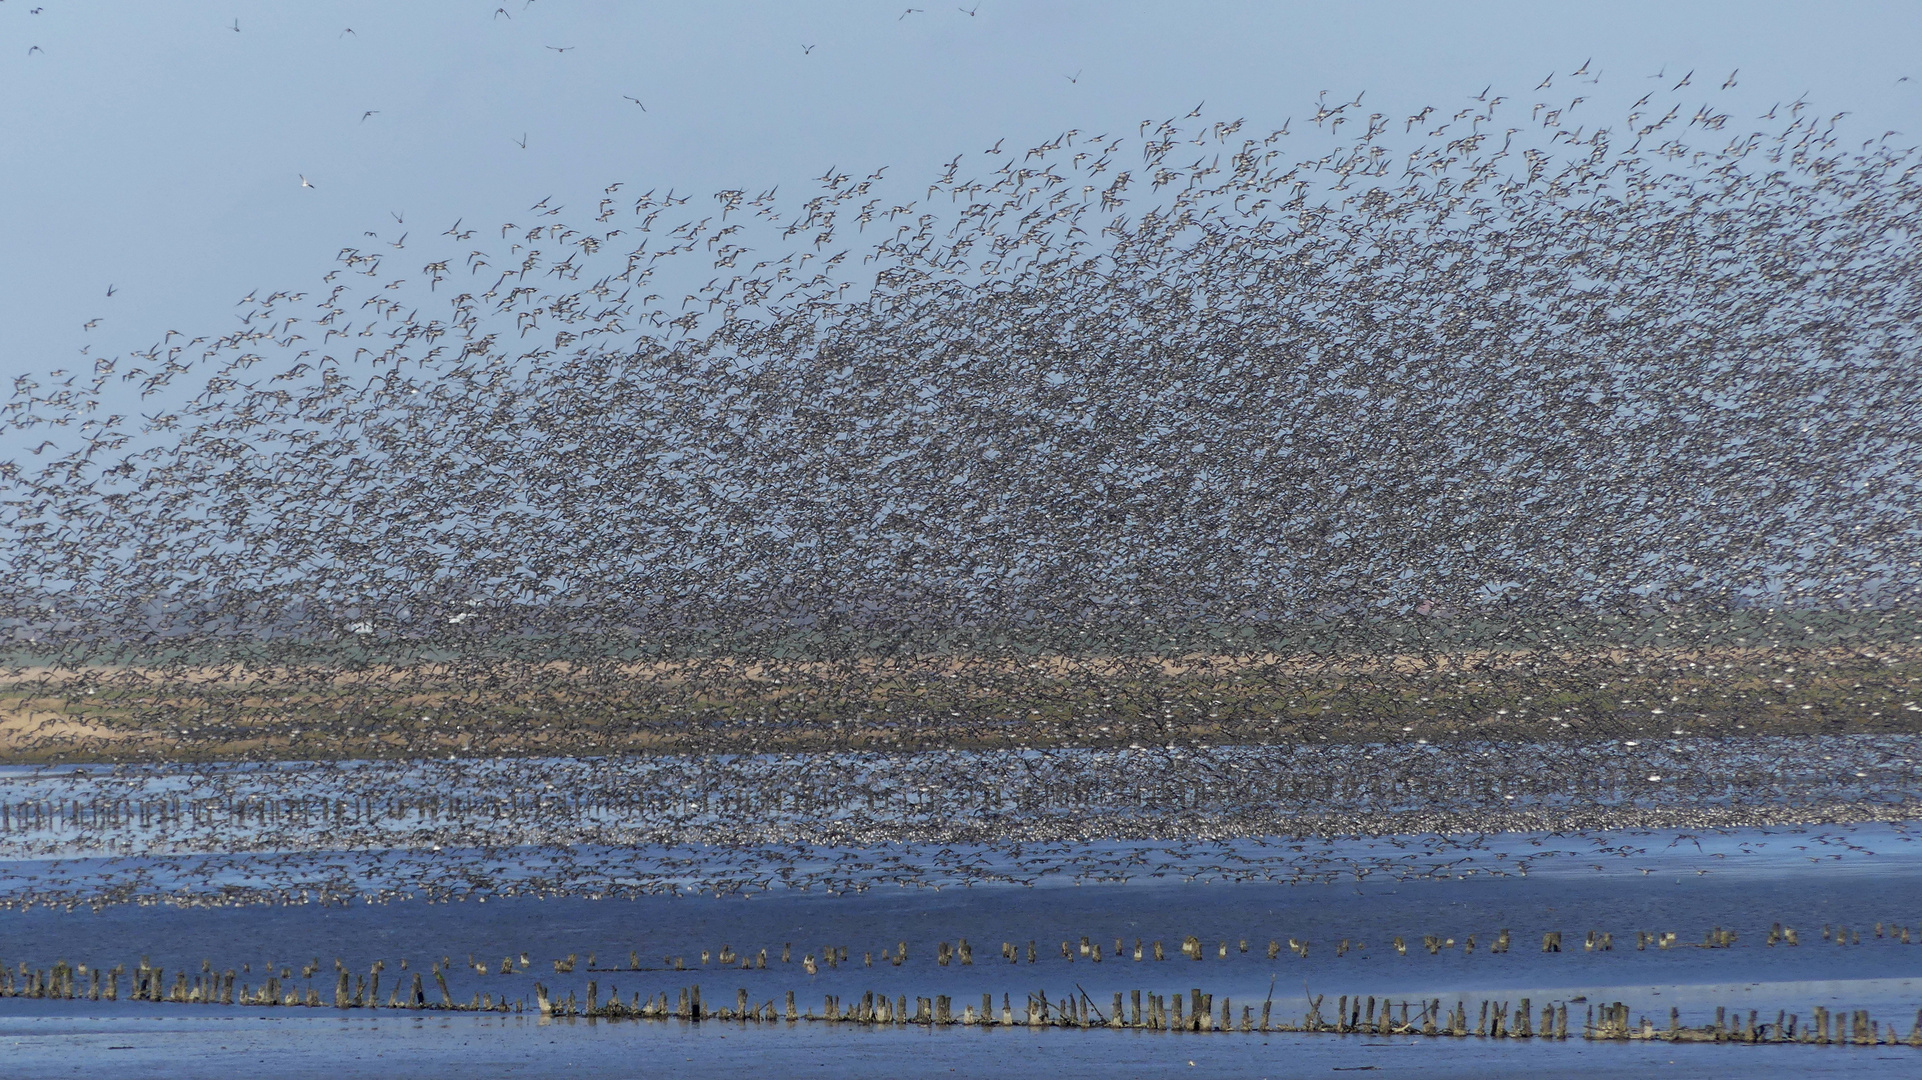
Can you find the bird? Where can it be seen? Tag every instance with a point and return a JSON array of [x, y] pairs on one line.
[[806, 49], [522, 141], [304, 182], [560, 48], [368, 113], [908, 12], [635, 100], [235, 27]]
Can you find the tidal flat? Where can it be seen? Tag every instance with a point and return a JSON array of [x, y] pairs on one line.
[[1431, 911]]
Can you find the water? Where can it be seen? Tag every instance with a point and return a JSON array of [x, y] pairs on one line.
[[291, 1044], [193, 891]]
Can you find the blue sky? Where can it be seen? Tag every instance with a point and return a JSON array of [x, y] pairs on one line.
[[153, 149]]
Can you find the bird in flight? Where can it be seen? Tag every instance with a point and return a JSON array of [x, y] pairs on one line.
[[636, 101], [560, 48], [806, 49], [969, 12], [368, 113], [235, 27], [110, 290], [911, 11], [304, 182], [1075, 78], [349, 30], [1731, 78], [522, 141], [31, 49]]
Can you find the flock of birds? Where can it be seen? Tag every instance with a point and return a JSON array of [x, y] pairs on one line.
[[340, 873], [336, 832], [1515, 393]]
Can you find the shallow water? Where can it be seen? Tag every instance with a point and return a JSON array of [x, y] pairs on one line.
[[1753, 879], [185, 896], [291, 1045]]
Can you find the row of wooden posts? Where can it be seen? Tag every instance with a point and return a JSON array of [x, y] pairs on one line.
[[210, 987], [1154, 1012], [1194, 1012]]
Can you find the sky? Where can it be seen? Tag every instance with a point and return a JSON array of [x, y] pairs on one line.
[[159, 161]]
